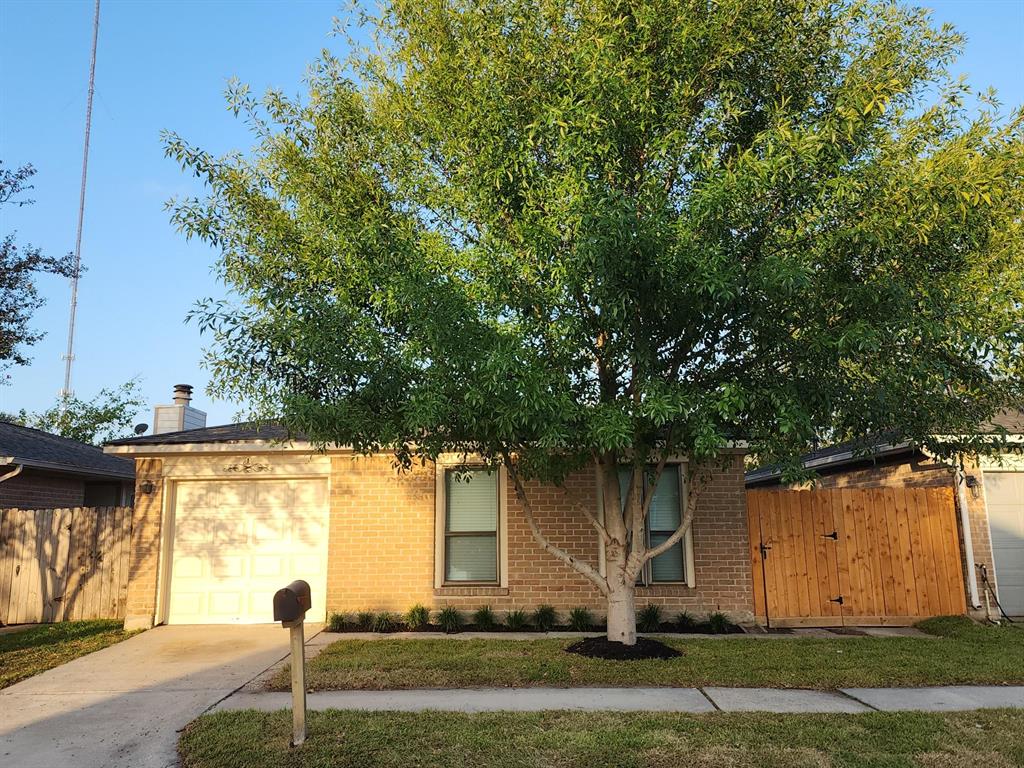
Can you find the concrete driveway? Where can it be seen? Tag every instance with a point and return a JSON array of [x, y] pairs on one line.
[[124, 705]]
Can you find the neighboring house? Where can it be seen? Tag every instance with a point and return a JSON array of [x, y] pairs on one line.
[[225, 516], [989, 494], [39, 471]]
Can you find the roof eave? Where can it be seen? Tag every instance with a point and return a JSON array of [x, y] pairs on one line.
[[846, 457], [69, 469], [229, 446]]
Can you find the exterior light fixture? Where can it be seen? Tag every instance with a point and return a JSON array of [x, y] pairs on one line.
[[974, 485]]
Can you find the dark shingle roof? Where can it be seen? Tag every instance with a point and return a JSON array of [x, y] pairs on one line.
[[227, 433], [35, 448], [854, 452], [1011, 421], [841, 453]]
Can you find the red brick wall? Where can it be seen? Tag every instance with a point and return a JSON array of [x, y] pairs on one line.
[[382, 546], [42, 490]]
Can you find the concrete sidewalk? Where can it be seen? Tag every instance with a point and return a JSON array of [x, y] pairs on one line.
[[693, 700]]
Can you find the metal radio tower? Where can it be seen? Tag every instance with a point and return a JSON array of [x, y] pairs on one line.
[[69, 356]]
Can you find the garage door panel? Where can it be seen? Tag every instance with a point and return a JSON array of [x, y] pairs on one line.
[[273, 494], [269, 565], [198, 494], [229, 560], [267, 530], [190, 567], [234, 495], [223, 567], [1004, 492], [308, 531], [308, 564], [315, 494], [186, 604]]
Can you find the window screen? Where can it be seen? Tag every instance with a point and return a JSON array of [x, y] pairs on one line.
[[471, 526]]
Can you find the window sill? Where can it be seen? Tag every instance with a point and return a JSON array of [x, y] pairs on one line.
[[663, 588], [471, 590]]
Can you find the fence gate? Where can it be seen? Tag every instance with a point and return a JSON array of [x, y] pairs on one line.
[[873, 556], [64, 564]]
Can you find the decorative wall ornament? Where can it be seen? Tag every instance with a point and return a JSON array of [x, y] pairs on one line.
[[247, 466]]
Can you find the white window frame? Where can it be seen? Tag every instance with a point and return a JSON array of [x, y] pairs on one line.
[[444, 465], [689, 570]]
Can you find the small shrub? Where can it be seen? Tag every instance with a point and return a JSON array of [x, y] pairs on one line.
[[649, 619], [484, 618], [385, 622], [417, 617], [336, 623], [516, 620], [544, 618], [580, 620], [450, 620], [364, 620], [719, 624], [685, 622]]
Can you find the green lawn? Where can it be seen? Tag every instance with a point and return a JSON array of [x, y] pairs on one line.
[[35, 650], [990, 738], [960, 653]]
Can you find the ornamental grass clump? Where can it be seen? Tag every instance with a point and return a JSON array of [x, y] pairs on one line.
[[516, 620], [649, 619], [544, 618], [685, 622], [719, 624], [385, 622], [484, 618], [449, 620], [580, 620], [417, 617]]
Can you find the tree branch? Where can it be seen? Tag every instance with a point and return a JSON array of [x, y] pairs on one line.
[[598, 525], [578, 565], [692, 494]]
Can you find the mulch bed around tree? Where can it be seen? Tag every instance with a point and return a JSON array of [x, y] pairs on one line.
[[603, 648]]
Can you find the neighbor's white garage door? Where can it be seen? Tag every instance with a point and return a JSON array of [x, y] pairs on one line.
[[236, 542], [1004, 492]]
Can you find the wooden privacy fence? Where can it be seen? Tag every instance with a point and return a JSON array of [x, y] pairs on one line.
[[870, 556], [63, 564]]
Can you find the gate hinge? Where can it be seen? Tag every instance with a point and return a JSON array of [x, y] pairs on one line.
[[834, 536], [837, 600]]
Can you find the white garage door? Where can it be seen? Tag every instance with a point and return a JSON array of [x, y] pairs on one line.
[[236, 542], [1004, 492]]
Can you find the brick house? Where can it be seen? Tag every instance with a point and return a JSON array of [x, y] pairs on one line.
[[226, 515], [43, 471], [988, 493]]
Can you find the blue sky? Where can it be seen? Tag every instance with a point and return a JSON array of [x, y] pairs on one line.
[[164, 65]]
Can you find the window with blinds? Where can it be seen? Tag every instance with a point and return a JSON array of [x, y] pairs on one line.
[[663, 519], [471, 526]]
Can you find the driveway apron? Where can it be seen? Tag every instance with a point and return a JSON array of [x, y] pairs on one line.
[[124, 705]]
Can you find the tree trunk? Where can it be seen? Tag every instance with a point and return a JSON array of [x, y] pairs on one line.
[[622, 614], [621, 597]]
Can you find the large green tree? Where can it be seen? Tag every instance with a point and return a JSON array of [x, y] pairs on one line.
[[19, 297], [556, 235], [107, 416]]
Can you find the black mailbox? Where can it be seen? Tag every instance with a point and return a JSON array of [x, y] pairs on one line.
[[292, 602]]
